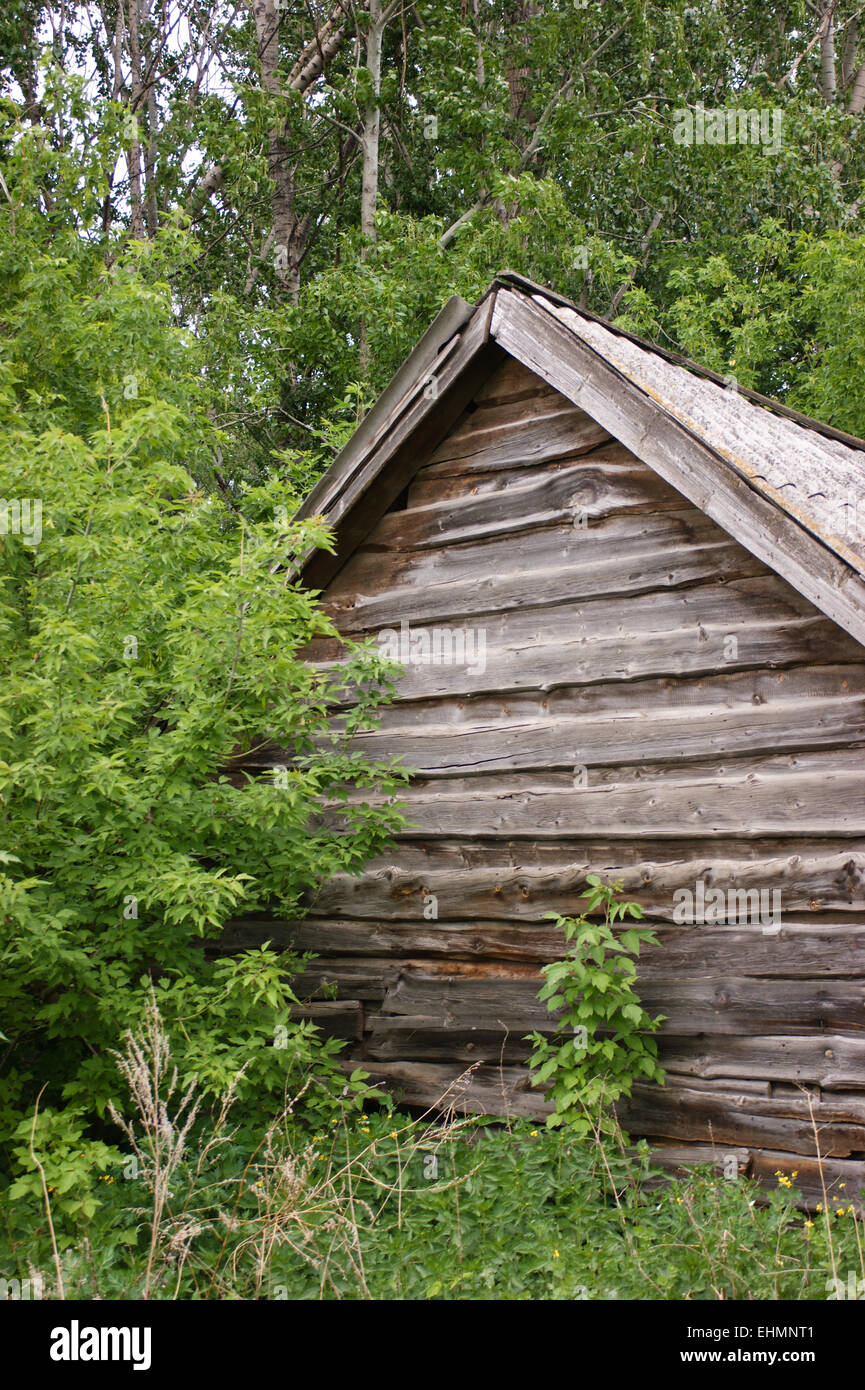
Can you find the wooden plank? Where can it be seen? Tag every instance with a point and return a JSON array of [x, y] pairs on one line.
[[486, 878], [335, 1018], [655, 720], [679, 1159], [499, 486], [816, 793], [364, 980], [620, 557], [699, 1116], [497, 941], [815, 1180], [520, 436], [688, 464], [510, 382], [429, 1037], [746, 624], [799, 950], [829, 1060], [735, 1005], [606, 482], [483, 417], [504, 1091], [814, 1106], [423, 1038]]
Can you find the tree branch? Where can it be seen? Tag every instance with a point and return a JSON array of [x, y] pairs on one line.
[[644, 250], [534, 144]]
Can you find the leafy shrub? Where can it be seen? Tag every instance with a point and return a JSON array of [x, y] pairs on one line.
[[600, 1046], [151, 637]]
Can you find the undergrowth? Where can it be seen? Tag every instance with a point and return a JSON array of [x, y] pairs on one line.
[[382, 1205]]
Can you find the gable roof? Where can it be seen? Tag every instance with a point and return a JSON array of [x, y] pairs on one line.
[[785, 486]]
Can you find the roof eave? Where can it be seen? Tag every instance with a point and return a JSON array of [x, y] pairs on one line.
[[451, 320]]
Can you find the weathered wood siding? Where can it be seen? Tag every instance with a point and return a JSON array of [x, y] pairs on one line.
[[720, 720]]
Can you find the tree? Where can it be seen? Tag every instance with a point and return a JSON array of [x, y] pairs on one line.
[[151, 635], [345, 168]]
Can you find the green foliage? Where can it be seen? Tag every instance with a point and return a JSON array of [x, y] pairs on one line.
[[547, 131], [57, 1158], [600, 1045], [778, 314], [381, 1206], [152, 639]]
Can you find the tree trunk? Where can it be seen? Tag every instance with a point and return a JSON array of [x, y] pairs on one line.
[[371, 124], [151, 209], [856, 104], [827, 55], [369, 141], [848, 59], [290, 232], [134, 154]]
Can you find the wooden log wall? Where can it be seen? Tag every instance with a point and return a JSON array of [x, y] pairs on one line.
[[654, 705]]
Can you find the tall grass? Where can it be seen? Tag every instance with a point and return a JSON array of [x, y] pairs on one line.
[[384, 1205]]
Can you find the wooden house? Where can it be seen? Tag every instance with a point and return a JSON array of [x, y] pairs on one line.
[[630, 601]]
